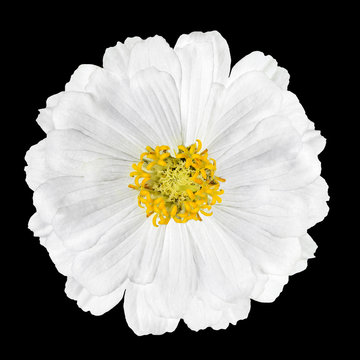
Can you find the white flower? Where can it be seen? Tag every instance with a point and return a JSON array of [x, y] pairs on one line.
[[150, 95]]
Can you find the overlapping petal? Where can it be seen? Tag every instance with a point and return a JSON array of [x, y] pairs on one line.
[[257, 61], [141, 317], [206, 310], [175, 281], [205, 61], [97, 305]]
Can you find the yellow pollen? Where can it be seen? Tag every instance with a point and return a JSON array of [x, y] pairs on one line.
[[177, 187]]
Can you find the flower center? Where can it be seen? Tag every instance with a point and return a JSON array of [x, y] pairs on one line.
[[176, 187]]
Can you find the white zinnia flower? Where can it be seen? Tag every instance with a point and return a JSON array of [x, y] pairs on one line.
[[256, 189]]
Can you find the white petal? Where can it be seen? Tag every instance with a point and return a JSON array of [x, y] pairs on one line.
[[97, 305], [61, 256], [140, 317], [244, 197], [232, 314], [269, 253], [268, 287], [83, 220], [238, 311], [201, 315], [176, 277], [292, 109], [117, 109], [220, 51], [78, 82], [39, 227], [85, 210], [145, 259], [301, 171], [315, 195], [257, 61], [272, 149], [68, 151], [204, 60], [300, 265], [272, 141], [276, 167], [116, 59], [308, 247], [97, 119], [223, 269], [37, 171], [106, 169], [282, 213], [281, 78], [212, 110], [158, 102], [130, 42], [207, 310], [48, 198], [315, 140], [44, 119], [155, 52], [80, 78], [250, 99], [104, 267]]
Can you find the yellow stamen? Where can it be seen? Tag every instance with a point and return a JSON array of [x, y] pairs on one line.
[[219, 179], [154, 220], [191, 194]]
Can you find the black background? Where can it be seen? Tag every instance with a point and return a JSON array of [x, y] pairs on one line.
[[45, 46]]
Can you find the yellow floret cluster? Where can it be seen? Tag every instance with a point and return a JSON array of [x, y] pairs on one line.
[[177, 187]]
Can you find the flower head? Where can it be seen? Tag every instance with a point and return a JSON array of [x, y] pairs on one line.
[[169, 181]]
